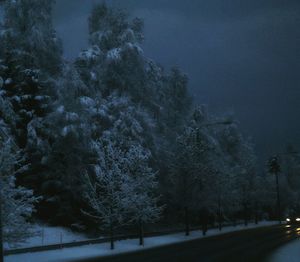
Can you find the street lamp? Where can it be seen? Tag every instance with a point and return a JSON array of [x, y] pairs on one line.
[[274, 168], [217, 123], [226, 122]]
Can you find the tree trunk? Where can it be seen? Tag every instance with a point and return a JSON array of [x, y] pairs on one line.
[[278, 199], [219, 214], [204, 229], [256, 213], [220, 223], [234, 222], [187, 222], [245, 215], [112, 243], [141, 232], [204, 220]]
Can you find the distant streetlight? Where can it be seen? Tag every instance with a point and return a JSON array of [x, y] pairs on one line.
[[275, 168]]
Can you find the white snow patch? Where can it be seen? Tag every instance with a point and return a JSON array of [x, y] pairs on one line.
[[123, 246], [87, 101], [39, 98], [93, 76], [47, 235], [60, 109], [114, 54], [90, 54], [71, 116], [65, 131], [8, 81], [288, 253]]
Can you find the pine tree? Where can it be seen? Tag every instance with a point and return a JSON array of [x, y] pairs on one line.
[[31, 58], [17, 202], [69, 133], [28, 35]]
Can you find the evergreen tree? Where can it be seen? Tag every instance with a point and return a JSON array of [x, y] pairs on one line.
[[17, 203], [31, 58], [28, 35], [69, 132]]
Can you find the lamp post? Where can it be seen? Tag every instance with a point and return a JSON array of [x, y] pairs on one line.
[[217, 123], [274, 168], [226, 122]]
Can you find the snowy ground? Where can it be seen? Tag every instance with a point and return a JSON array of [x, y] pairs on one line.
[[45, 235], [287, 253], [121, 246]]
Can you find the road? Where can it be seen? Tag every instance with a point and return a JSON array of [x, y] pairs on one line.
[[249, 245]]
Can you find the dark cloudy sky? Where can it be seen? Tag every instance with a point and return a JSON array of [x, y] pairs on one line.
[[241, 56]]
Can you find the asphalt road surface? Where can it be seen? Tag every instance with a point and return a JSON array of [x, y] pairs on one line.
[[249, 245]]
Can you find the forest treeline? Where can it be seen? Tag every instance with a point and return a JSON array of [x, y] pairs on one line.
[[113, 139]]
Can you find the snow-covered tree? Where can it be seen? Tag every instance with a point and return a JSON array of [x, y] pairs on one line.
[[105, 191], [141, 201], [123, 188], [17, 202], [30, 55], [28, 37], [69, 133], [115, 65], [178, 101], [240, 160], [115, 60]]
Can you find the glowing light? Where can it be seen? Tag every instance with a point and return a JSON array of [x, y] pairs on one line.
[[288, 220], [298, 219]]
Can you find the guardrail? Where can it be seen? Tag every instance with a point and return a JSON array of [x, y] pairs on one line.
[[86, 242], [98, 241]]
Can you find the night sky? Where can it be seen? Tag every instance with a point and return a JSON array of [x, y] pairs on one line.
[[240, 56]]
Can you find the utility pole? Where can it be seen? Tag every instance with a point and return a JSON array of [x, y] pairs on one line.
[[274, 168]]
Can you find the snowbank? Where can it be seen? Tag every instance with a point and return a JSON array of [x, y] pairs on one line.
[[46, 235], [121, 246], [287, 253]]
